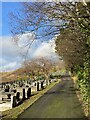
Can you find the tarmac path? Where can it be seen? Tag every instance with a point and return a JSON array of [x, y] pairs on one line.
[[59, 102]]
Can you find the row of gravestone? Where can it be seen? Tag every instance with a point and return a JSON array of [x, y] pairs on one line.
[[23, 83], [11, 87], [16, 83], [8, 90], [15, 99], [19, 83]]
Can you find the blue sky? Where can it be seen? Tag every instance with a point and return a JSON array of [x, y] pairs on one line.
[[10, 57], [8, 7]]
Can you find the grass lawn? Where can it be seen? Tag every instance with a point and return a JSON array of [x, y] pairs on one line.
[[14, 112]]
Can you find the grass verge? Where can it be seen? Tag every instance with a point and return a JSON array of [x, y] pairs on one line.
[[85, 105], [14, 112]]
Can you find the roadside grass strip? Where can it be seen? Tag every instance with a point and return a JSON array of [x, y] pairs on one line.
[[85, 105]]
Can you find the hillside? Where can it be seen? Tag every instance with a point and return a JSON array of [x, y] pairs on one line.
[[11, 76]]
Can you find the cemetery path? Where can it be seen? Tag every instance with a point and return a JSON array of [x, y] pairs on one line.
[[59, 102]]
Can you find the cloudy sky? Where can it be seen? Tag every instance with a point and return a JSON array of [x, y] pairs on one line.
[[11, 55]]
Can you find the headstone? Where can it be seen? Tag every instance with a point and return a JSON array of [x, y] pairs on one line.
[[13, 101], [9, 96], [16, 82], [44, 82], [1, 99], [2, 86], [49, 81], [29, 83], [42, 85], [14, 90], [20, 84], [7, 88], [18, 96], [23, 94], [14, 85], [29, 92], [37, 86]]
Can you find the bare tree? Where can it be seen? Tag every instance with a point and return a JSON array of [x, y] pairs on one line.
[[47, 19]]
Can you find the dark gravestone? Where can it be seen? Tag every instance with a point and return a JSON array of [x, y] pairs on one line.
[[42, 85], [7, 88], [49, 81], [29, 92], [23, 94], [37, 86], [9, 96], [29, 83], [18, 96], [14, 85], [20, 84], [2, 86], [14, 90]]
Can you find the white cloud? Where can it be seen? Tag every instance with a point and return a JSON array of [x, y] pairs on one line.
[[46, 49], [26, 38], [9, 54], [11, 58], [10, 66]]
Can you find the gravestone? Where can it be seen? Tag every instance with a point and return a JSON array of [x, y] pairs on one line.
[[18, 96], [23, 94], [44, 83], [10, 90], [29, 92], [17, 82], [7, 88], [14, 90], [20, 84], [49, 81], [42, 87], [37, 86], [29, 83], [13, 101], [2, 86], [14, 85], [1, 99], [9, 96]]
